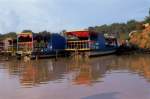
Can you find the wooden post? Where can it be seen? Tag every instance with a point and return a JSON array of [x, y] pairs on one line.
[[32, 42], [36, 57], [17, 43], [56, 56]]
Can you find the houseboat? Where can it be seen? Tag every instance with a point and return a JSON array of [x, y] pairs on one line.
[[90, 43], [8, 46], [49, 45], [40, 45], [24, 43]]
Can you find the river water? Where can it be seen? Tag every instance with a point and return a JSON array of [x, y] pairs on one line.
[[108, 77]]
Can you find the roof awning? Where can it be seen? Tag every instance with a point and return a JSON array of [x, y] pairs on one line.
[[80, 34], [25, 35]]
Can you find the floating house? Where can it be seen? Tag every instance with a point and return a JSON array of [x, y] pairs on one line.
[[90, 41], [8, 45], [77, 40], [42, 45], [1, 46], [24, 43], [49, 45]]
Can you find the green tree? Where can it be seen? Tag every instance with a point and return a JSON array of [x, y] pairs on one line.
[[27, 31], [147, 18], [12, 35]]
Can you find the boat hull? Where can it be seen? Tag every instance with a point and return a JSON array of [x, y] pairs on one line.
[[101, 52]]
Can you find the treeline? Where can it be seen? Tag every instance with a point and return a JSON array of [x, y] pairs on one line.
[[14, 34], [10, 34], [119, 27], [122, 28]]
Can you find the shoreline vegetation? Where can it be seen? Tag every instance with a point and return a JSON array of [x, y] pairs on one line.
[[132, 35]]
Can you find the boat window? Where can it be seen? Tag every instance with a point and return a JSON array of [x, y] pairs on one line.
[[26, 38]]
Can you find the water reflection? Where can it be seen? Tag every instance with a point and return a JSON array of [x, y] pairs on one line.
[[103, 96], [40, 72], [78, 72], [134, 64]]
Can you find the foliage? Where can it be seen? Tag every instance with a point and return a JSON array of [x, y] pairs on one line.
[[147, 19], [7, 35], [119, 28], [142, 39], [27, 31]]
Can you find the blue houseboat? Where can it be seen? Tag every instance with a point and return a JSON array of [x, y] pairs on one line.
[[92, 43], [40, 45], [50, 46]]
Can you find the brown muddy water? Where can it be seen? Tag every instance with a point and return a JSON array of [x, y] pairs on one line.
[[108, 77]]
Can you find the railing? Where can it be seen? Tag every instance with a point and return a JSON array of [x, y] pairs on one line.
[[8, 48], [25, 46], [82, 45]]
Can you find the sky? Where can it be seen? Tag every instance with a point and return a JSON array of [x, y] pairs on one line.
[[57, 15]]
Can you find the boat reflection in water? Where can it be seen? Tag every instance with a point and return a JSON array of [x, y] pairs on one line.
[[78, 71], [38, 72]]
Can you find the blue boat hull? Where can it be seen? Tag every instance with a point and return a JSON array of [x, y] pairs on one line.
[[49, 54], [102, 52]]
